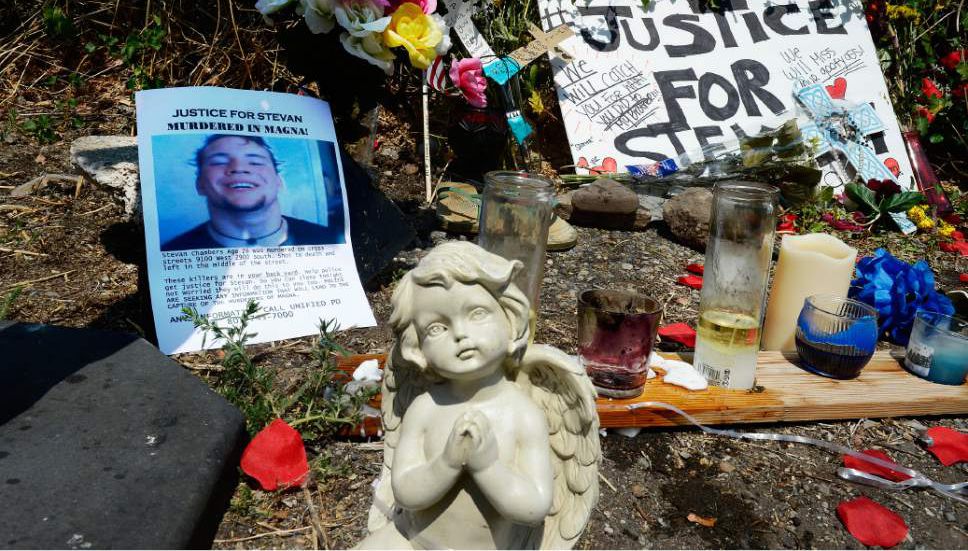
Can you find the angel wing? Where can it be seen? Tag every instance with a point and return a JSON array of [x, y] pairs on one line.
[[401, 385], [560, 387]]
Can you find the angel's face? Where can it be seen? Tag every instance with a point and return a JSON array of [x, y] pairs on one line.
[[463, 331]]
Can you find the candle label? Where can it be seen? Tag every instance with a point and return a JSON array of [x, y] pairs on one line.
[[918, 358]]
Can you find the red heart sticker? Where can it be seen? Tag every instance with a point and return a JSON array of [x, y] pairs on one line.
[[276, 457], [838, 89], [852, 462], [680, 333], [871, 523]]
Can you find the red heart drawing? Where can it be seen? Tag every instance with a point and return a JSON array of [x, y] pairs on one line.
[[838, 89], [891, 164], [608, 166]]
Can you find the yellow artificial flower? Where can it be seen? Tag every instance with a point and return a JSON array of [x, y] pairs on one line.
[[945, 229], [926, 224], [411, 28], [916, 214]]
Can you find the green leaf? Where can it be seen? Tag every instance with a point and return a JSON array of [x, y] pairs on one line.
[[863, 196], [922, 124], [936, 138], [826, 194], [901, 202]]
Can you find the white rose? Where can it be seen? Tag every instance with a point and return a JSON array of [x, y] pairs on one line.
[[318, 15], [369, 48], [361, 17], [443, 46]]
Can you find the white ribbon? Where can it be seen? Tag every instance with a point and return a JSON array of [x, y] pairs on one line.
[[917, 480]]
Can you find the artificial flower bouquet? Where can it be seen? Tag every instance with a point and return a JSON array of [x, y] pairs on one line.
[[369, 29]]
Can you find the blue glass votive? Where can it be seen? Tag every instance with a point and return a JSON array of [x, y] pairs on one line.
[[836, 336], [938, 349]]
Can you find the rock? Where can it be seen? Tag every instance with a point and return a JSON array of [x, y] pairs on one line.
[[687, 215], [726, 467], [111, 161], [607, 204], [563, 205], [638, 490], [605, 196], [410, 169]]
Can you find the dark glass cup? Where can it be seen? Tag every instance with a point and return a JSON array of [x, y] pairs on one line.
[[616, 331], [836, 336]]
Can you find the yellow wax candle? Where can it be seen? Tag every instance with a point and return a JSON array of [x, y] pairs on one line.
[[812, 264]]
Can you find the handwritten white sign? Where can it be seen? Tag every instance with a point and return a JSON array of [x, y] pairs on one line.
[[650, 84]]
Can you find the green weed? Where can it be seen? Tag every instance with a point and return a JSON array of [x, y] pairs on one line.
[[321, 406], [42, 128], [8, 301], [57, 23]]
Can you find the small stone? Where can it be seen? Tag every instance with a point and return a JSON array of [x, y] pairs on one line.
[[410, 169], [390, 152], [437, 236], [687, 215], [684, 454], [705, 461], [644, 462], [608, 530], [111, 161], [726, 467], [638, 490], [607, 204], [625, 266], [949, 516]]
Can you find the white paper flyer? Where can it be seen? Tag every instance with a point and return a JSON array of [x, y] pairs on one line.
[[244, 199]]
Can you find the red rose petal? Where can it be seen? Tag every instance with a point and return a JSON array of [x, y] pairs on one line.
[[954, 247], [695, 268], [691, 281], [871, 523], [276, 457], [948, 445], [679, 332], [852, 462]]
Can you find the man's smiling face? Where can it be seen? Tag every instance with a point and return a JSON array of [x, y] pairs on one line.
[[237, 174]]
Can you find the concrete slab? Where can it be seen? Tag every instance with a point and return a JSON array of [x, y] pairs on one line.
[[107, 443]]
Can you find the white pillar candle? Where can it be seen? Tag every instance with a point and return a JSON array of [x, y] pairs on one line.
[[812, 264]]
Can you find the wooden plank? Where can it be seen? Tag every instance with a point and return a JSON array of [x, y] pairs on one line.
[[884, 389]]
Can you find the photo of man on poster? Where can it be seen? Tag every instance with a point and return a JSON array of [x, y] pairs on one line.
[[240, 181]]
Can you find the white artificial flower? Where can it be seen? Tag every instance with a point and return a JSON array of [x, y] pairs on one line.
[[361, 17], [443, 46], [370, 48], [318, 15], [266, 7]]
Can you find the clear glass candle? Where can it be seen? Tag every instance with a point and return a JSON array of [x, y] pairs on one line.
[[515, 214], [738, 256], [938, 349]]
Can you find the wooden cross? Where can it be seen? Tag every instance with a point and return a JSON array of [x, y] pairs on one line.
[[458, 17]]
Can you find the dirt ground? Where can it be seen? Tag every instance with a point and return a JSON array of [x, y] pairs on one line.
[[85, 266]]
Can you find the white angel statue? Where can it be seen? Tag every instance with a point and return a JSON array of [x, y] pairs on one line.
[[490, 443]]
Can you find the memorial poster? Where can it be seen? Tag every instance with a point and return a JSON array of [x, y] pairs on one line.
[[244, 199], [677, 78]]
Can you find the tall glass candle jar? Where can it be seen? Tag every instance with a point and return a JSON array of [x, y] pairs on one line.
[[737, 268], [515, 214]]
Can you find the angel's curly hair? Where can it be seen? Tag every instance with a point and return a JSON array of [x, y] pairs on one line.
[[464, 262]]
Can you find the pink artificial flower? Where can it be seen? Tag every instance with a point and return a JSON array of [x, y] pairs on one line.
[[427, 6], [468, 75]]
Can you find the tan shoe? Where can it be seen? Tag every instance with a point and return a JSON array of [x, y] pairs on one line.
[[458, 207], [561, 235]]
